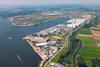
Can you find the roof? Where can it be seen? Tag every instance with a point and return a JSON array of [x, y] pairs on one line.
[[42, 44], [36, 39], [57, 65]]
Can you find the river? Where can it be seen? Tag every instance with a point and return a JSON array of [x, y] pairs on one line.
[[11, 43]]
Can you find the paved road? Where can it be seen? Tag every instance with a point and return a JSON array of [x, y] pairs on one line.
[[66, 43], [77, 50]]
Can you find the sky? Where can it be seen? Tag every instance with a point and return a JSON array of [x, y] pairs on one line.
[[34, 2]]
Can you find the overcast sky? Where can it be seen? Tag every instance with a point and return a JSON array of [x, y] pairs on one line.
[[22, 2]]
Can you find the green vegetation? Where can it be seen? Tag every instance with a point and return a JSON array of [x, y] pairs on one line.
[[57, 57], [32, 19], [90, 51], [89, 41], [61, 51], [85, 31], [68, 56], [87, 28], [55, 37]]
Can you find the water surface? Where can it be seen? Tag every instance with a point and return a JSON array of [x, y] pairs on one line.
[[11, 47]]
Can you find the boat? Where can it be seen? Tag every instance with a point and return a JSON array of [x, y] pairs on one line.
[[19, 58], [10, 38]]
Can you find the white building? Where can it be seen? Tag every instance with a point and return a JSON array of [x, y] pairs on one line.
[[42, 44], [56, 65], [75, 22]]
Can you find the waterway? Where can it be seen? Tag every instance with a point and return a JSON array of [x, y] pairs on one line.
[[11, 43]]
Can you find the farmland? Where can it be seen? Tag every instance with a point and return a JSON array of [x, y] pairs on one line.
[[90, 51]]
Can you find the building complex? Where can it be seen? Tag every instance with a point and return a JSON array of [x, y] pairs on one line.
[[47, 42]]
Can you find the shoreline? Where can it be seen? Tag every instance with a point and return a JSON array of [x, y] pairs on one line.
[[55, 28], [11, 19], [34, 48], [14, 24], [42, 61]]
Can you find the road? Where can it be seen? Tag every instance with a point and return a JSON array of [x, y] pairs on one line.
[[64, 46], [66, 43], [77, 51]]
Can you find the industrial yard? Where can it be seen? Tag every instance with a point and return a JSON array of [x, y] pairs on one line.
[[50, 33], [49, 41]]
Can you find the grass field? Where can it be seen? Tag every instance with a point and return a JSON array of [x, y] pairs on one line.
[[85, 31], [90, 50]]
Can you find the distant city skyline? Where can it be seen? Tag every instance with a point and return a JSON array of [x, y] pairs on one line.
[[36, 2]]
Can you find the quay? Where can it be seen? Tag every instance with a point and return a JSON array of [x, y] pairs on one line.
[[35, 49], [49, 42]]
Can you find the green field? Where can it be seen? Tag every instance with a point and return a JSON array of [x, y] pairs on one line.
[[90, 50], [85, 31]]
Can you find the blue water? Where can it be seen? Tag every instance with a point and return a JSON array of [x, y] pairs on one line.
[[9, 48]]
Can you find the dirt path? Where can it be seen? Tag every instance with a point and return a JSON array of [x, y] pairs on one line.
[[84, 35]]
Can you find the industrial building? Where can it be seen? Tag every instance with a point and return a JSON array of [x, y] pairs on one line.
[[56, 65], [75, 22]]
